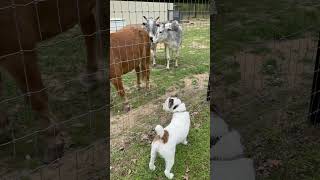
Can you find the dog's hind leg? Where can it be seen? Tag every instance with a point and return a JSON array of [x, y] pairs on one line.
[[152, 158], [169, 163], [185, 142]]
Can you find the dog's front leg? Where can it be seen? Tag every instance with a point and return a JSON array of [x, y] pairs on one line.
[[152, 159], [169, 163]]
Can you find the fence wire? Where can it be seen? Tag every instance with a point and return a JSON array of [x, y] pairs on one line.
[[59, 52]]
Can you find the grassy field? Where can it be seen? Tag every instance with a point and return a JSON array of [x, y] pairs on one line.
[[129, 158], [263, 85]]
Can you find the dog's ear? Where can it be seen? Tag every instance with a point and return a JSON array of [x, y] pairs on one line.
[[171, 102]]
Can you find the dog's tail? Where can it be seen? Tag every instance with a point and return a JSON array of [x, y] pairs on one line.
[[162, 133], [159, 130]]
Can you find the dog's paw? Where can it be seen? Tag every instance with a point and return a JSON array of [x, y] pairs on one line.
[[152, 167], [169, 175], [185, 142]]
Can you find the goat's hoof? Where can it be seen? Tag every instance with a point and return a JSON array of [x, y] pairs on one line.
[[176, 66], [154, 65]]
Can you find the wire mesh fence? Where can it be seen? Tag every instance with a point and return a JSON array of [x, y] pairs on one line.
[[160, 78], [53, 95], [263, 74]]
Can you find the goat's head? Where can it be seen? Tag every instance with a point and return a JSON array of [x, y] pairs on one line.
[[151, 25], [162, 32]]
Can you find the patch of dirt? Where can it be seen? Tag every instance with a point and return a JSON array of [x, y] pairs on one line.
[[121, 124]]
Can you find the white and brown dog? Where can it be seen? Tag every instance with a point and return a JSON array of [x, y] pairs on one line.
[[175, 133]]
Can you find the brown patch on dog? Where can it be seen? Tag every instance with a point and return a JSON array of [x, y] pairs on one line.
[[164, 138]]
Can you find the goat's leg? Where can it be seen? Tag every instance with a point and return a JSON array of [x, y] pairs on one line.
[[117, 82], [154, 54], [167, 56], [146, 72], [138, 72], [177, 57]]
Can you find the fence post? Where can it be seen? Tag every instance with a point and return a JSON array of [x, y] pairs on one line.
[[314, 112], [213, 13]]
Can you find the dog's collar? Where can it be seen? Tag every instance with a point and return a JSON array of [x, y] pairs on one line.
[[180, 111]]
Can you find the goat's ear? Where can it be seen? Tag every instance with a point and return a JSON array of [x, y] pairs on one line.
[[145, 18]]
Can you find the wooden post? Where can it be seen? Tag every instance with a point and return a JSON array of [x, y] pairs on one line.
[[314, 109]]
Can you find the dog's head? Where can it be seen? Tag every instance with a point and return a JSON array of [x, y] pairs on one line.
[[173, 104]]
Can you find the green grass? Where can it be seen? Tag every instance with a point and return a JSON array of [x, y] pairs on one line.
[[132, 163]]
